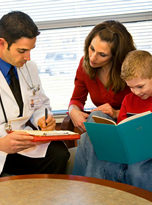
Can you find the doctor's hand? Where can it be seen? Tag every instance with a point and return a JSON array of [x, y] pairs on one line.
[[16, 142], [48, 124]]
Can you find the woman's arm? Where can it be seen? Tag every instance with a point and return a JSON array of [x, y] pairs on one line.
[[78, 117], [78, 99], [107, 109]]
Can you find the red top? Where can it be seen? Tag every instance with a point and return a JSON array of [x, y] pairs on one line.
[[99, 95], [134, 104]]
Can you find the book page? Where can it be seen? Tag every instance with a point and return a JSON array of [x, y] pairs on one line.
[[47, 133], [103, 120], [135, 116]]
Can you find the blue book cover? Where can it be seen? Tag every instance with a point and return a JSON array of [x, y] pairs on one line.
[[128, 142]]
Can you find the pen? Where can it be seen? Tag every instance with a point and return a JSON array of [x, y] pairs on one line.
[[46, 115]]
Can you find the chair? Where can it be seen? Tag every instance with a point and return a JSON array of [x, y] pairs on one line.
[[71, 144], [68, 125]]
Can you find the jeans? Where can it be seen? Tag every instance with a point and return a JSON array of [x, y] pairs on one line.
[[87, 164]]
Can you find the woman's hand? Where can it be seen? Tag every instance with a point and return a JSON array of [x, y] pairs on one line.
[[78, 118], [16, 142], [107, 109], [48, 124]]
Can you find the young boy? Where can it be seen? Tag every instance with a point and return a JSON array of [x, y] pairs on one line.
[[136, 70]]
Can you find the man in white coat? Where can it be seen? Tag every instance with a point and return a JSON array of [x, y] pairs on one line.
[[18, 154]]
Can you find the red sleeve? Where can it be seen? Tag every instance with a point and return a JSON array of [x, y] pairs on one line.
[[80, 92], [123, 111]]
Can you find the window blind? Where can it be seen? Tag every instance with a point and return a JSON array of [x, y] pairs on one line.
[[64, 24]]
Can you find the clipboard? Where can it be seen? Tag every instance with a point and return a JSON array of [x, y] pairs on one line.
[[56, 138], [56, 135]]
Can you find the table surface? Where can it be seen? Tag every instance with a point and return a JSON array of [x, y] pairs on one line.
[[43, 189]]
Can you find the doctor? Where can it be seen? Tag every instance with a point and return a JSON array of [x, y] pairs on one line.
[[18, 154]]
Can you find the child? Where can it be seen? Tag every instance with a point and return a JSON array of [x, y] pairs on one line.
[[136, 71]]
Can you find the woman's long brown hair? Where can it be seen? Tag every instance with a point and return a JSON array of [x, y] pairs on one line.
[[121, 42]]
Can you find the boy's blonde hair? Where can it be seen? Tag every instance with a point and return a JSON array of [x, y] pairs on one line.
[[137, 63]]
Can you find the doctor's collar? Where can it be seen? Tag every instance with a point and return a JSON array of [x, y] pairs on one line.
[[4, 67]]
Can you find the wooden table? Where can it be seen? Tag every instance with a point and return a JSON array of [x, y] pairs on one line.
[[50, 189]]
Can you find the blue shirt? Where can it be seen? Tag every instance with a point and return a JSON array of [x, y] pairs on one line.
[[4, 68]]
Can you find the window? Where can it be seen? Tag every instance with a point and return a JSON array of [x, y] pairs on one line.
[[64, 24]]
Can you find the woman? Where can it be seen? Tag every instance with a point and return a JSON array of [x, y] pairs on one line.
[[99, 72], [99, 75]]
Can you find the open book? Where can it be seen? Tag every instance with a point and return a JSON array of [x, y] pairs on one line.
[[98, 119], [55, 135], [128, 142]]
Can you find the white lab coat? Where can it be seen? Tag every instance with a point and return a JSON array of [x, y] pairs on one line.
[[12, 109]]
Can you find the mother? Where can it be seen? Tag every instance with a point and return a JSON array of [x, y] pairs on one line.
[[99, 72], [99, 75]]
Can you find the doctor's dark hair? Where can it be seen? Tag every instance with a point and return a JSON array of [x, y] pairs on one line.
[[16, 25], [120, 41]]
